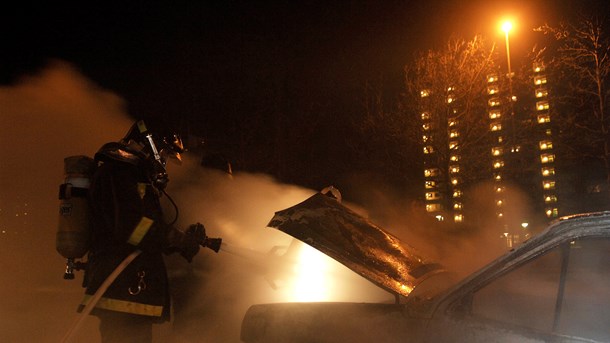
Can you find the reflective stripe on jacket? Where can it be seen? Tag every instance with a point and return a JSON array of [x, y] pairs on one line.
[[124, 306]]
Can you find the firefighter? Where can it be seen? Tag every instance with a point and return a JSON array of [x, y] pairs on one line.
[[125, 197]]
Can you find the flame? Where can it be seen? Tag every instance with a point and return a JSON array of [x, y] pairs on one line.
[[311, 276]]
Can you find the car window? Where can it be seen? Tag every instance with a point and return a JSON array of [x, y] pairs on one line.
[[530, 295], [525, 296], [585, 309]]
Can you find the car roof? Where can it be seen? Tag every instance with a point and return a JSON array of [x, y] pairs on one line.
[[564, 229]]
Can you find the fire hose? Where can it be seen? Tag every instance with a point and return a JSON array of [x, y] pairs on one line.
[[98, 294]]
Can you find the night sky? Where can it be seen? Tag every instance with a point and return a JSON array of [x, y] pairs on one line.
[[220, 69], [168, 55]]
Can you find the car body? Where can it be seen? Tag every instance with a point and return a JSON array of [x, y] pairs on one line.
[[553, 288]]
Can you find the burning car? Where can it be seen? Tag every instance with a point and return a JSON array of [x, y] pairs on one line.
[[554, 287]]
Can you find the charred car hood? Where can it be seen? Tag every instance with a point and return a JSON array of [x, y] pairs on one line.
[[327, 225]]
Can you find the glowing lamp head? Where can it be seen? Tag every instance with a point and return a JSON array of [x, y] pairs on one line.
[[507, 26]]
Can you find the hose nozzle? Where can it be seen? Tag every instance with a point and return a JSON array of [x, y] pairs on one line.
[[212, 243]]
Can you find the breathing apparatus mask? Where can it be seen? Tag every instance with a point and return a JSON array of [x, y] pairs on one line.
[[159, 149]]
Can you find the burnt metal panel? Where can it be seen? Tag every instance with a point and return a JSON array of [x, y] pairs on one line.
[[327, 225]]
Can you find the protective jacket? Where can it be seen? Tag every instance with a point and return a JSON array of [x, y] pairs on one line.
[[127, 215]]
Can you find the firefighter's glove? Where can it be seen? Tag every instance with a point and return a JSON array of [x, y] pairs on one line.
[[197, 231], [193, 236]]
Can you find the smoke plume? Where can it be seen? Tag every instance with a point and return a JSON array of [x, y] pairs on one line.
[[59, 113], [46, 117]]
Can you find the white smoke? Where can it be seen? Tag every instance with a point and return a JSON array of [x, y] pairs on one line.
[[58, 113], [45, 118]]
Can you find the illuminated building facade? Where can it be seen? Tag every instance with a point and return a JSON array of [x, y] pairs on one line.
[[442, 160], [545, 142], [519, 152]]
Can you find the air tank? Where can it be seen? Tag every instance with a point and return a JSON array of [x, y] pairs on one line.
[[72, 238]]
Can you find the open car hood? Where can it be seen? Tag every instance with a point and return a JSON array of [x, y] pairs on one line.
[[325, 224]]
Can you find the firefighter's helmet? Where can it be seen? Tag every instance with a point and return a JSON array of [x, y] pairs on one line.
[[162, 142]]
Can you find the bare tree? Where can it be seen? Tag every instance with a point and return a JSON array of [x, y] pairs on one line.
[[454, 82], [578, 55]]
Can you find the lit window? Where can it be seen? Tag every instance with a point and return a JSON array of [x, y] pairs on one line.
[[545, 145], [452, 122], [497, 177], [499, 202], [458, 218], [495, 114], [425, 115], [430, 184], [433, 207], [541, 92], [426, 127], [547, 158], [457, 193], [424, 93], [544, 118], [432, 195], [492, 89], [549, 132], [457, 206], [500, 139], [454, 181], [450, 99], [454, 158], [454, 133], [492, 78], [500, 215], [542, 105], [431, 172], [550, 199], [499, 189], [552, 212], [496, 151], [540, 80], [453, 145], [495, 126], [548, 184], [498, 164], [548, 171], [454, 169], [428, 149], [538, 67], [494, 102], [425, 138]]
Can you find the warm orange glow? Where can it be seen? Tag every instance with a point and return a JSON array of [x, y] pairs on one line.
[[311, 271]]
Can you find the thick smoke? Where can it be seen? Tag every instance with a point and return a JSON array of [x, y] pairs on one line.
[[45, 117], [59, 113], [461, 249], [256, 264]]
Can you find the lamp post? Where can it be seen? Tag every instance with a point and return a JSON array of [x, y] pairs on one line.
[[506, 27], [512, 144]]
